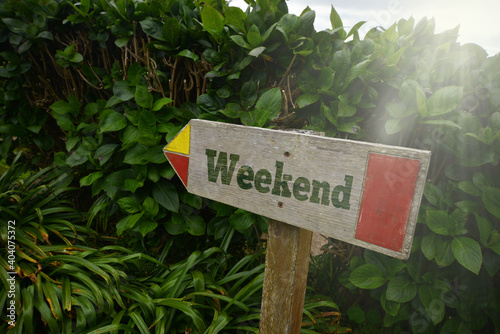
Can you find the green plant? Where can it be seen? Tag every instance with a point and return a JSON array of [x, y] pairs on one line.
[[147, 68]]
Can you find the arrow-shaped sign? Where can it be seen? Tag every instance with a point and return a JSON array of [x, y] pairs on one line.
[[361, 193]]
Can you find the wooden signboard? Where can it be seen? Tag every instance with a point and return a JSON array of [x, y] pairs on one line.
[[362, 193]]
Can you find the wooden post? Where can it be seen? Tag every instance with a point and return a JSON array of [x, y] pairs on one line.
[[285, 278]]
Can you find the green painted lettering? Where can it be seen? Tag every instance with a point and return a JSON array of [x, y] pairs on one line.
[[221, 167], [325, 187], [346, 194], [301, 184], [245, 173], [263, 177], [280, 182]]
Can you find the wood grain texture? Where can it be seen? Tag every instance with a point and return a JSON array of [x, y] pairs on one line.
[[285, 280], [310, 157]]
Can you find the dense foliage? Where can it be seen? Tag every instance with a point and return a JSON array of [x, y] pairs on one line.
[[91, 91]]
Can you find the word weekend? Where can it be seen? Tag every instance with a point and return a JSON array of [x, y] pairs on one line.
[[302, 188]]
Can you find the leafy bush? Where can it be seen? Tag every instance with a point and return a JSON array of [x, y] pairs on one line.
[[101, 86]]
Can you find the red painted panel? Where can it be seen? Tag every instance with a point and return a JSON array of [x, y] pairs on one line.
[[180, 164], [386, 202]]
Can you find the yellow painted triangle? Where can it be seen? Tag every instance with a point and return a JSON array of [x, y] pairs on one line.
[[180, 144]]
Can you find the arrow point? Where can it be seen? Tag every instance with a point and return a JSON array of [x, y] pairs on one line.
[[180, 164], [180, 144]]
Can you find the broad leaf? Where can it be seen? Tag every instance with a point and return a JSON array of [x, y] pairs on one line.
[[367, 276], [444, 100], [129, 204], [439, 222], [248, 94], [113, 121], [242, 220], [147, 226], [127, 223], [166, 195], [143, 97], [468, 253], [195, 225], [212, 20], [270, 101], [123, 90], [433, 302], [491, 199], [153, 28], [89, 179], [401, 289], [307, 99]]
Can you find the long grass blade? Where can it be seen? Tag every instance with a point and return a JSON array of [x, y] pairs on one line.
[[27, 298], [185, 308]]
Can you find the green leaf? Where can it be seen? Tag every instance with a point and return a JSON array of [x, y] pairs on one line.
[[346, 110], [248, 94], [147, 124], [242, 220], [391, 307], [433, 303], [235, 17], [185, 307], [239, 40], [253, 36], [428, 245], [468, 253], [439, 222], [123, 90], [121, 42], [171, 31], [195, 225], [455, 326], [444, 254], [150, 206], [443, 122], [104, 153], [143, 97], [192, 200], [401, 289], [128, 223], [491, 200], [76, 159], [432, 193], [62, 107], [469, 188], [113, 121], [89, 179], [356, 314], [188, 54], [153, 28], [176, 225], [307, 99], [166, 195], [161, 102], [485, 229], [136, 155], [257, 51], [367, 276], [335, 19], [270, 101], [147, 226], [444, 100], [129, 204], [212, 20], [399, 110], [392, 126]]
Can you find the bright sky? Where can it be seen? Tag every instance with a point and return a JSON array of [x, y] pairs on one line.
[[478, 20]]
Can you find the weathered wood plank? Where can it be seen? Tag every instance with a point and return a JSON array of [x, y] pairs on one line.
[[308, 181], [285, 280]]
